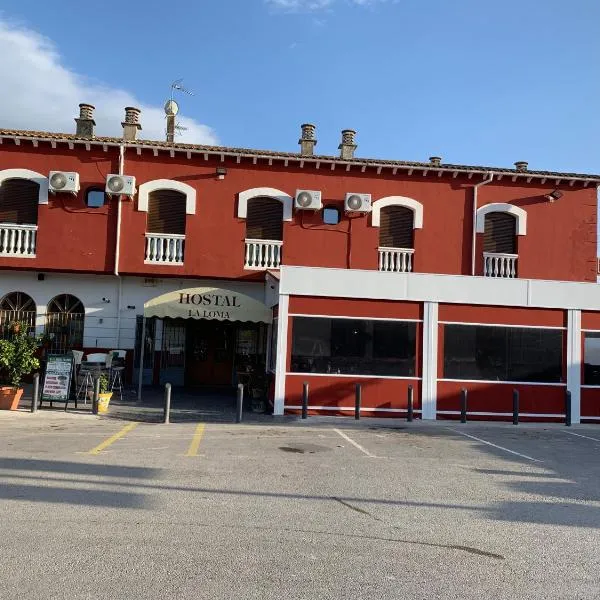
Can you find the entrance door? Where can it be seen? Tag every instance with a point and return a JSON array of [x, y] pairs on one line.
[[210, 347]]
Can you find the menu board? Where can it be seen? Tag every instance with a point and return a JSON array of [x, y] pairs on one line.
[[57, 381]]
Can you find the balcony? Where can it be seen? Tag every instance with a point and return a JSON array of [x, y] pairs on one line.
[[396, 260], [18, 240], [263, 254], [164, 249], [500, 265]]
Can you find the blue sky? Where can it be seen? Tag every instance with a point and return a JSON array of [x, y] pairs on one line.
[[476, 82]]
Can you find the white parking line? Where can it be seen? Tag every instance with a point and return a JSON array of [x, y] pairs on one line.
[[355, 444], [587, 437], [495, 445]]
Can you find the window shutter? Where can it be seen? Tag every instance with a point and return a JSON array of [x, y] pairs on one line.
[[19, 201], [396, 227], [499, 233], [264, 220], [166, 212]]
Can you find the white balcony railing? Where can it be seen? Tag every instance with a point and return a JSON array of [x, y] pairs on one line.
[[164, 248], [500, 265], [396, 260], [18, 240], [263, 254]]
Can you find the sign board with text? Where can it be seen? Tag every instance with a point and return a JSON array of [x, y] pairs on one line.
[[57, 381]]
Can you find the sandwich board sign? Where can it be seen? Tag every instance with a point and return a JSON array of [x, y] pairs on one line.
[[57, 381]]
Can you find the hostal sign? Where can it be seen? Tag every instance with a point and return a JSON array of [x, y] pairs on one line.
[[208, 303]]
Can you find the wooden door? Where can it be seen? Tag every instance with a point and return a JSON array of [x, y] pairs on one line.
[[209, 353]]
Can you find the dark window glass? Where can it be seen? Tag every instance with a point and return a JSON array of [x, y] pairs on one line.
[[19, 201], [331, 215], [166, 212], [591, 359], [264, 220], [502, 353], [500, 233], [353, 346], [95, 198], [396, 227]]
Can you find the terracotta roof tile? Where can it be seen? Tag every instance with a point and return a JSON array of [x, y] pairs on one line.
[[44, 135]]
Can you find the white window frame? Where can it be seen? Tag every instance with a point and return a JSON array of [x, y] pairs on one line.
[[410, 203], [264, 192], [38, 178], [519, 214], [147, 188]]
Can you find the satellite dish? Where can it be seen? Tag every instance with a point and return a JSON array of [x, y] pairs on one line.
[[171, 107]]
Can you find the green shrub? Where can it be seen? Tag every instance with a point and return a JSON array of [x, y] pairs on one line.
[[17, 354]]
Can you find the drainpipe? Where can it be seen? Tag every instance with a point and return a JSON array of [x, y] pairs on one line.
[[118, 247], [476, 187]]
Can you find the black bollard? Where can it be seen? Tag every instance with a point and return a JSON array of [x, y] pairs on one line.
[[410, 404], [567, 408], [304, 400], [96, 394], [240, 403], [357, 400], [515, 407], [463, 406], [36, 392], [167, 407]]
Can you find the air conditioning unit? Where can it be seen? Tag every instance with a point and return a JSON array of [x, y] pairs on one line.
[[357, 203], [63, 181], [123, 185], [308, 200]]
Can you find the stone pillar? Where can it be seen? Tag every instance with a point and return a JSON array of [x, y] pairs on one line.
[[85, 121], [348, 145], [131, 125], [307, 140], [521, 165]]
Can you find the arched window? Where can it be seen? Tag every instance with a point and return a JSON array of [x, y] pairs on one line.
[[499, 234], [16, 306], [264, 220], [19, 201], [396, 227], [166, 212], [64, 323]]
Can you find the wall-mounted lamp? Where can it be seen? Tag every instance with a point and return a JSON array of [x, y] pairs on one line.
[[107, 300], [41, 276], [221, 172], [131, 307], [553, 196]]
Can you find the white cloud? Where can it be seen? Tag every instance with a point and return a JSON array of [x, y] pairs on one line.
[[40, 93]]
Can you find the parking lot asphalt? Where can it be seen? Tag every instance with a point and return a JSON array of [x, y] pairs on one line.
[[94, 507]]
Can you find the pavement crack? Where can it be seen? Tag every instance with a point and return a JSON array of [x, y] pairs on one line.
[[355, 508]]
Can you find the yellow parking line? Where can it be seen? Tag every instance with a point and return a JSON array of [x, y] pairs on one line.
[[113, 438], [195, 443]]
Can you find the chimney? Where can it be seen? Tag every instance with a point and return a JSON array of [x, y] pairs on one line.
[[307, 140], [435, 161], [347, 146], [85, 122], [131, 123], [521, 165]]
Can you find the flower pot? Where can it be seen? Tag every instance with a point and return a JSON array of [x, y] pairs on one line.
[[10, 397], [103, 402]]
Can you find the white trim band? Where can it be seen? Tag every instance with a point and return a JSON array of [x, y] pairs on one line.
[[353, 376], [488, 381]]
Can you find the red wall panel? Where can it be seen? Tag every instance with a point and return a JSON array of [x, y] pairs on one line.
[[72, 237], [339, 392], [502, 315], [590, 320], [497, 397], [590, 402], [346, 307]]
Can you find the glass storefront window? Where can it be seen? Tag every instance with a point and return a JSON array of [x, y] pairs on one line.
[[353, 346], [591, 358], [492, 353]]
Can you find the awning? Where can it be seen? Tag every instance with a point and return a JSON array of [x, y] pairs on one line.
[[216, 304]]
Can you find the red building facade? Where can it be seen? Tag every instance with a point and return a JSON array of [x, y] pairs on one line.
[[442, 246]]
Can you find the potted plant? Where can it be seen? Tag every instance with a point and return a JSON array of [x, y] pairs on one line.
[[105, 395], [17, 359]]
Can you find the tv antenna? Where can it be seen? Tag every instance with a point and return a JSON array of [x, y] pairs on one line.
[[172, 108]]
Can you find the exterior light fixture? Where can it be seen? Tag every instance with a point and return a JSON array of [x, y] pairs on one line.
[[221, 172], [553, 196]]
